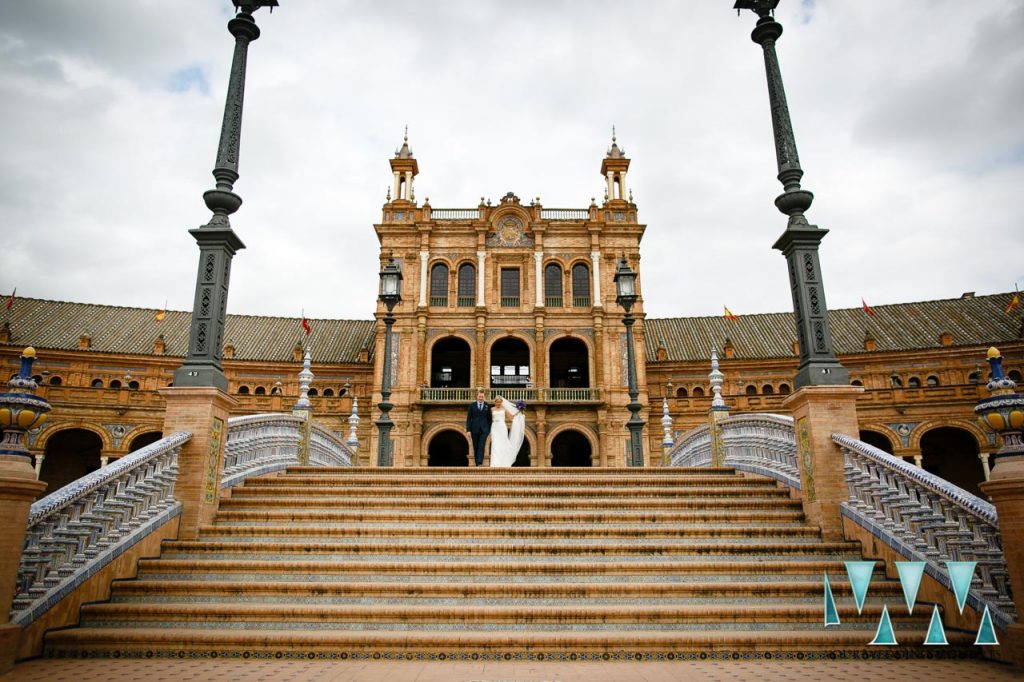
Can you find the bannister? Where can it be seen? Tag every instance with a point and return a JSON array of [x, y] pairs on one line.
[[82, 527], [259, 444], [454, 214], [327, 449], [564, 214], [758, 443], [926, 518]]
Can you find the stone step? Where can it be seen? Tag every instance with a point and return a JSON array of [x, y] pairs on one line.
[[239, 516], [384, 532], [496, 550], [401, 616], [474, 480], [439, 473], [621, 644], [566, 493], [465, 568], [192, 591], [509, 504]]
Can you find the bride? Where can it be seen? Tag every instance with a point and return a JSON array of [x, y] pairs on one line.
[[505, 442]]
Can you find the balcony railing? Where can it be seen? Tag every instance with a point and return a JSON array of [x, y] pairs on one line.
[[564, 214], [530, 395], [509, 301], [466, 301], [455, 214], [501, 380], [553, 301], [580, 301], [439, 301]]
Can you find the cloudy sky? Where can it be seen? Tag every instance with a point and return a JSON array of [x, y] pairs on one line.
[[909, 118]]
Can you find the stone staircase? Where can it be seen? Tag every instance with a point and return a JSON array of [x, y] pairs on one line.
[[496, 563]]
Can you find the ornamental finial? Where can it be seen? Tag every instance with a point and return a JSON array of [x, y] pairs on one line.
[[305, 379], [716, 379]]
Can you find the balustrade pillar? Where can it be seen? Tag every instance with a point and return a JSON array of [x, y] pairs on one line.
[[985, 465], [818, 412]]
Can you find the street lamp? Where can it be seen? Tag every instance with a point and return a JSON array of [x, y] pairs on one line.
[[625, 296], [390, 296], [799, 243], [218, 243]]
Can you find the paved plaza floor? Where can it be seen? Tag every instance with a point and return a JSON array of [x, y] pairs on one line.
[[371, 671]]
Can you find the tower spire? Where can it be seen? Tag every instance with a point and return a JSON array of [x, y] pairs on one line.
[[613, 167], [404, 168]]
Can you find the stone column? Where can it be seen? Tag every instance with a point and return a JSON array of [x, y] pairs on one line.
[[818, 412], [202, 411], [595, 265], [985, 465], [481, 257], [538, 258], [424, 258]]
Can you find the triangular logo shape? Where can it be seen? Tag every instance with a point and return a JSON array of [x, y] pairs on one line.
[[986, 633], [859, 573], [911, 573], [884, 635], [960, 574], [936, 633], [831, 613]]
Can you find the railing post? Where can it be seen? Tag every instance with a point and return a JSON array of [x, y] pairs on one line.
[[818, 412], [202, 411], [18, 489]]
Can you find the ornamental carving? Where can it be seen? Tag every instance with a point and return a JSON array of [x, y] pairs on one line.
[[509, 231]]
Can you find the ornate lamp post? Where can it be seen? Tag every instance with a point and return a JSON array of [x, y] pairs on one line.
[[217, 241], [625, 296], [799, 243], [390, 296]]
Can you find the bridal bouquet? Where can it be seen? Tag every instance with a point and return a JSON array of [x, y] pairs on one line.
[[520, 405]]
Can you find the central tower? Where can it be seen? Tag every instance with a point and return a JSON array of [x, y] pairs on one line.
[[516, 300]]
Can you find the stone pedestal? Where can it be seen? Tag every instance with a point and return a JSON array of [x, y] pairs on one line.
[[818, 412], [202, 411], [715, 418], [18, 490], [1006, 488]]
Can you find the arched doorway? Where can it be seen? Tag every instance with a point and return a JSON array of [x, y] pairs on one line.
[[523, 458], [952, 453], [450, 362], [143, 439], [448, 448], [879, 440], [571, 448], [510, 363], [69, 455], [568, 362]]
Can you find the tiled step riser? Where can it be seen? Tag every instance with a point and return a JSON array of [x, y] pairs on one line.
[[231, 518], [439, 473], [540, 532], [506, 506], [566, 495], [537, 484]]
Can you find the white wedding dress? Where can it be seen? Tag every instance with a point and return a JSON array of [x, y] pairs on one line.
[[505, 442]]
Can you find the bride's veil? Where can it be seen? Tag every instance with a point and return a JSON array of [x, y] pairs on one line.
[[517, 431]]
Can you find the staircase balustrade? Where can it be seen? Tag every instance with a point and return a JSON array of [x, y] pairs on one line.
[[75, 531], [692, 449], [529, 395], [926, 518]]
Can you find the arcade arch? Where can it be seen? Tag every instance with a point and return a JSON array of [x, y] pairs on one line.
[[451, 362], [952, 453], [570, 448], [568, 363], [509, 364], [70, 454]]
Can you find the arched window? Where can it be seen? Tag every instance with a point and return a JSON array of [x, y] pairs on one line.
[[38, 378], [784, 389], [913, 382], [342, 393], [751, 389], [1013, 375], [932, 381], [243, 390], [698, 392], [580, 285], [55, 381], [97, 383], [768, 389], [439, 284], [312, 393], [974, 378], [260, 390], [115, 384], [856, 382], [328, 392], [682, 393], [467, 285], [553, 285], [134, 385], [276, 390]]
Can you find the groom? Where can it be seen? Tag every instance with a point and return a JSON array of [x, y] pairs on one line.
[[478, 426]]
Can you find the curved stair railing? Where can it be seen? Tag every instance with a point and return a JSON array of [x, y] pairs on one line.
[[926, 518], [77, 530], [757, 443], [920, 516]]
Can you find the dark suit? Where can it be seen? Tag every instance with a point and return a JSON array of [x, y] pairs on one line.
[[478, 424]]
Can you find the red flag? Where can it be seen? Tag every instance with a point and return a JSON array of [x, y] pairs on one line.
[[729, 315], [867, 308], [1010, 307], [10, 301], [305, 325]]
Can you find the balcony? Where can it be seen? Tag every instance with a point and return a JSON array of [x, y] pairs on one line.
[[557, 396], [439, 301], [553, 301], [580, 301], [509, 301], [466, 301]]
